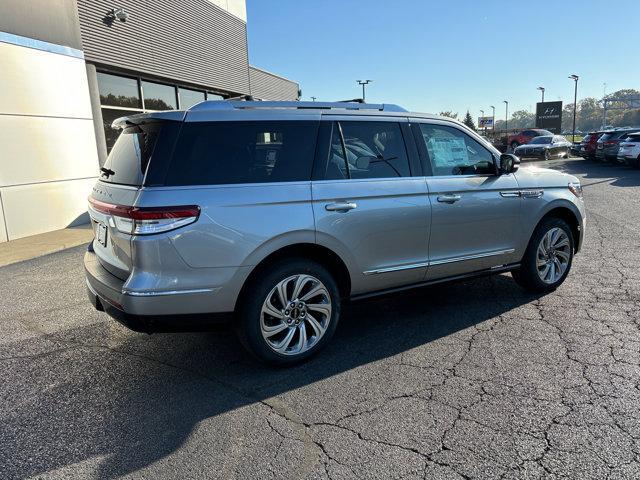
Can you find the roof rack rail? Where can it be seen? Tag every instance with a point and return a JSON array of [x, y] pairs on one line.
[[249, 104], [354, 100]]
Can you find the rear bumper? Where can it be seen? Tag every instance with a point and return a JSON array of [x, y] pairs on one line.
[[141, 313]]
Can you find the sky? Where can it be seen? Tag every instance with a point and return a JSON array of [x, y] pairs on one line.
[[459, 55]]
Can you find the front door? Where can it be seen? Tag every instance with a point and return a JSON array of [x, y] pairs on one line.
[[371, 205], [475, 212]]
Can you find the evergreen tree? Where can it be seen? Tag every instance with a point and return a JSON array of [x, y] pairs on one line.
[[468, 121]]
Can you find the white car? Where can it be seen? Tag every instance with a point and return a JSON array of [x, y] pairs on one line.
[[629, 151]]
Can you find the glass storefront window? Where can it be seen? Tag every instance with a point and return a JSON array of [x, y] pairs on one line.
[[189, 97], [118, 91], [108, 116], [158, 96]]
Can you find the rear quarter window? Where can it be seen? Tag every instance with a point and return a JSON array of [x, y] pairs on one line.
[[128, 160], [217, 153]]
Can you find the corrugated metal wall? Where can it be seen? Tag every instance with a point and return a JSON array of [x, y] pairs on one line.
[[267, 86], [189, 41]]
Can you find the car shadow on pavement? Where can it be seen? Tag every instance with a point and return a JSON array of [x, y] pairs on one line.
[[102, 394], [615, 174]]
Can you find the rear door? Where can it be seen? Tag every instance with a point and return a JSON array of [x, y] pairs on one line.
[[119, 184], [370, 201], [475, 213]]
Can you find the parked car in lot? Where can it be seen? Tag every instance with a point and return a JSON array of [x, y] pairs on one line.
[[629, 151], [588, 145], [525, 136], [545, 147], [609, 142], [272, 214]]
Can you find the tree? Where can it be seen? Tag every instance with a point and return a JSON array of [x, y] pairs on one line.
[[468, 121], [522, 119], [450, 114]]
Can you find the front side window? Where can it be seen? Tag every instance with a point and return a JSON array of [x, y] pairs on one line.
[[453, 152], [216, 153], [372, 149]]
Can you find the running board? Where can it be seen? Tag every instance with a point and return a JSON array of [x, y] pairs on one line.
[[465, 276]]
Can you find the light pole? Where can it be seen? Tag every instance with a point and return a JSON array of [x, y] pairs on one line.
[[482, 116], [575, 106], [363, 83], [313, 99], [493, 117], [542, 90], [506, 118]]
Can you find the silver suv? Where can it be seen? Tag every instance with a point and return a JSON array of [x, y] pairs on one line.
[[273, 213]]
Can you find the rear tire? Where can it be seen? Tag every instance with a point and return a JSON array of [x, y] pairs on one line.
[[548, 258], [289, 312]]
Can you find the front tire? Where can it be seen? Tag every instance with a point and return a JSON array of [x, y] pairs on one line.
[[289, 312], [514, 145], [548, 258]]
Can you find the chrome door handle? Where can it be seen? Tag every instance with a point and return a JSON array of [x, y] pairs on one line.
[[448, 198], [340, 206]]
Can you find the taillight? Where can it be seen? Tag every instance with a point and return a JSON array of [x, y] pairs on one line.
[[610, 142], [147, 220]]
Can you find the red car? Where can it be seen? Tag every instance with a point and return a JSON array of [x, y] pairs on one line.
[[589, 144], [525, 136]]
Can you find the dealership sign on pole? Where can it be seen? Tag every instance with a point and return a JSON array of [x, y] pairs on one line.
[[549, 116], [485, 122]]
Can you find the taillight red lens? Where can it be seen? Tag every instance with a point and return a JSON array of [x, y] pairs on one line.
[[147, 220], [145, 213]]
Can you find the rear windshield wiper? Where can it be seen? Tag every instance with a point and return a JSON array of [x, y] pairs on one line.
[[107, 172]]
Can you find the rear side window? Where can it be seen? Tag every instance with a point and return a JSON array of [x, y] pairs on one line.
[[215, 153], [373, 150], [129, 157]]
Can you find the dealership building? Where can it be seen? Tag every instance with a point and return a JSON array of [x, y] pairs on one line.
[[70, 67]]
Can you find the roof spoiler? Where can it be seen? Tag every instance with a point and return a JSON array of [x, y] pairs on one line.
[[140, 118]]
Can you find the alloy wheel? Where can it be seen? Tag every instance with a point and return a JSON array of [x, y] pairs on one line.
[[553, 255], [295, 315]]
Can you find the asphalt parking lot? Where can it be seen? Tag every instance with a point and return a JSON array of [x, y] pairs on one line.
[[470, 380]]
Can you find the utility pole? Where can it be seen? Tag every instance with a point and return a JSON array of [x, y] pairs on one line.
[[313, 99], [363, 83], [575, 105]]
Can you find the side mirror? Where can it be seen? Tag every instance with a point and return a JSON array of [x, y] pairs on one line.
[[362, 163], [509, 163]]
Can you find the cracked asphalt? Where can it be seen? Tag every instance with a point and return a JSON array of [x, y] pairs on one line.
[[468, 380]]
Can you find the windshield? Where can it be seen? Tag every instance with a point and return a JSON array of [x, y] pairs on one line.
[[129, 157], [540, 140]]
